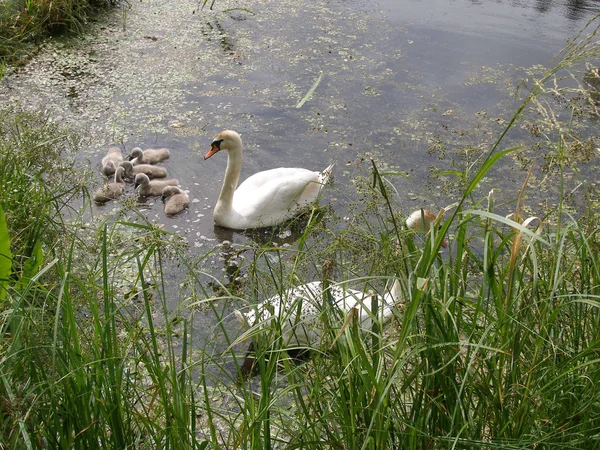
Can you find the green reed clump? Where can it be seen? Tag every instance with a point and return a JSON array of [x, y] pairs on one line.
[[38, 178], [84, 364], [495, 343], [23, 21]]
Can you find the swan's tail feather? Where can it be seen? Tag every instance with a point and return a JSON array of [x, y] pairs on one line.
[[326, 174]]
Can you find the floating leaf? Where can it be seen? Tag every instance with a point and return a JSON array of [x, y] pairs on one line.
[[310, 91]]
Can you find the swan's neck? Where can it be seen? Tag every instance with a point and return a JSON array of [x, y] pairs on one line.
[[232, 175]]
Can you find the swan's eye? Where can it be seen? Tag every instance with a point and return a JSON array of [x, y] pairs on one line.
[[216, 143]]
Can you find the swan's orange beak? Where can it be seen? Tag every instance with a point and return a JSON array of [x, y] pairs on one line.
[[444, 244], [213, 149]]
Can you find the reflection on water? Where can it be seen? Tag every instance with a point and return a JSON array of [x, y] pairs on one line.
[[515, 20], [283, 236], [575, 9], [232, 256], [217, 28], [571, 9]]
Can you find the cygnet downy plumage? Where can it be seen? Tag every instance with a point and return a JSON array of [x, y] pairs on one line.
[[109, 167], [111, 160], [150, 156], [146, 187], [111, 190], [152, 171], [175, 200]]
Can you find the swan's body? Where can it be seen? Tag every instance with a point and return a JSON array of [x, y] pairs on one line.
[[152, 171], [175, 200], [111, 190], [150, 156], [145, 187], [112, 159], [421, 221], [298, 310], [266, 198]]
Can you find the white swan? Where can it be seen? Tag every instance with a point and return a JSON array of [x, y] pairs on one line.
[[266, 198], [111, 160], [298, 310], [145, 187], [152, 171], [422, 220], [175, 200], [150, 156], [111, 190]]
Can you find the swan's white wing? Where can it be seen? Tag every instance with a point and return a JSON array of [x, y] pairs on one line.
[[298, 310], [282, 173], [272, 196]]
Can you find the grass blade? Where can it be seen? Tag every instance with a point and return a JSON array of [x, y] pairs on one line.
[[310, 91]]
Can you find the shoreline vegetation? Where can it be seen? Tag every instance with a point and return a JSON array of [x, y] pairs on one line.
[[496, 344], [24, 23]]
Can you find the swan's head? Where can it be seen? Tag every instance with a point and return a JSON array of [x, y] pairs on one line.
[[141, 178], [119, 174], [225, 140], [168, 191], [136, 152], [421, 220]]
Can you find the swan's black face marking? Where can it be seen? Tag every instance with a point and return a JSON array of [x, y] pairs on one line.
[[215, 146]]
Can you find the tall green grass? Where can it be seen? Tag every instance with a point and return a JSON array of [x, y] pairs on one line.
[[79, 366], [496, 347], [24, 21], [39, 178]]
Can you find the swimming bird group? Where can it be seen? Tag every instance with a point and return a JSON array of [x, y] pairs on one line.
[[265, 199], [272, 197], [142, 169]]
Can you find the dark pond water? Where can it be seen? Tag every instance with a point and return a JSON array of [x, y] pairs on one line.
[[397, 77]]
